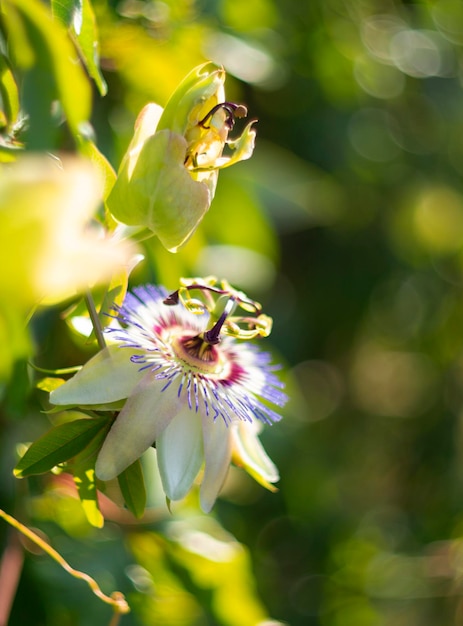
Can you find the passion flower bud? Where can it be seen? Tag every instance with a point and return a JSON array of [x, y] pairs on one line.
[[167, 178]]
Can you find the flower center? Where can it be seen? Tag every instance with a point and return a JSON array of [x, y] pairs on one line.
[[198, 354]]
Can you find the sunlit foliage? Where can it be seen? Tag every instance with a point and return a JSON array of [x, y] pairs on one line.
[[347, 224]]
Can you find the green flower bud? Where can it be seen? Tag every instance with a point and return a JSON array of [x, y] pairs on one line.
[[167, 178]]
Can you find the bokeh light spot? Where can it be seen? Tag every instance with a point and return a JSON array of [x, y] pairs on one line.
[[321, 388], [377, 32], [370, 135], [438, 220], [392, 383], [378, 80]]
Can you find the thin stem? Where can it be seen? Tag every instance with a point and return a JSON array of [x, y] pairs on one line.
[[95, 319], [116, 599]]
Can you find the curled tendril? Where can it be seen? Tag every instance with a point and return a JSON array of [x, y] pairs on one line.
[[116, 599]]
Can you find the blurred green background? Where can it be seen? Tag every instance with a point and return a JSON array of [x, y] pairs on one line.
[[347, 224]]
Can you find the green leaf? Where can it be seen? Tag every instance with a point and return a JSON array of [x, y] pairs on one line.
[[42, 50], [67, 11], [58, 445], [84, 479], [132, 487], [50, 383], [8, 91], [83, 469], [88, 44], [78, 16], [8, 154]]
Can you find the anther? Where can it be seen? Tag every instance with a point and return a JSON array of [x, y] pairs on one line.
[[234, 111], [172, 299]]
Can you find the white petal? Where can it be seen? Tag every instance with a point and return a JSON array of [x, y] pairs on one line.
[[180, 453], [217, 454], [108, 376], [145, 415], [251, 453]]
